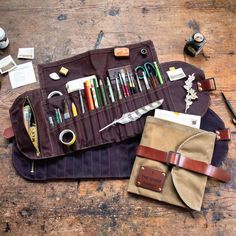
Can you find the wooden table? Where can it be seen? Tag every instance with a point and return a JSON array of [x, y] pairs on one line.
[[60, 29]]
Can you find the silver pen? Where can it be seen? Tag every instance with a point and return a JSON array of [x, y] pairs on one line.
[[139, 84], [118, 89], [81, 101], [146, 81]]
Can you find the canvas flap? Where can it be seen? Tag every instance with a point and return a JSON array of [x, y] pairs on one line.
[[189, 185]]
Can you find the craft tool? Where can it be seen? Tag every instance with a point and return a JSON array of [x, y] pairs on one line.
[[67, 137], [66, 111], [96, 87], [103, 93], [51, 122], [146, 81], [110, 90], [134, 115], [158, 73], [74, 110], [81, 101], [122, 84], [138, 82], [54, 93], [88, 95], [94, 95], [122, 71], [230, 108], [194, 44], [118, 89]]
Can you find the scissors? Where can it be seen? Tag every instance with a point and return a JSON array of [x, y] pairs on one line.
[[150, 70]]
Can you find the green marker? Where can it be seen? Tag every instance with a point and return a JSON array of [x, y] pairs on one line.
[[103, 93], [158, 73], [95, 84]]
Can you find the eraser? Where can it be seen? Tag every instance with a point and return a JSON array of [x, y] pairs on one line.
[[64, 71]]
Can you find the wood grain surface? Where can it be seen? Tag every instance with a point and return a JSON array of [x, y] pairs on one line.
[[61, 28]]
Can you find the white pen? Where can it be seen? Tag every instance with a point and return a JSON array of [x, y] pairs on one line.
[[139, 84], [110, 90], [146, 81], [118, 89]]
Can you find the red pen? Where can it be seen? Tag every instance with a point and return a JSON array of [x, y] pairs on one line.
[[88, 95], [122, 85], [125, 84]]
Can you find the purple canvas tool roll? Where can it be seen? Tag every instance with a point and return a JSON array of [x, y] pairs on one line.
[[108, 154]]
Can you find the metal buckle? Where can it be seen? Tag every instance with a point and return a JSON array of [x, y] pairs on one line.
[[168, 157]]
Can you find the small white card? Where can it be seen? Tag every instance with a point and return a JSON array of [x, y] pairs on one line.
[[7, 64], [176, 74], [78, 84], [22, 75], [180, 118], [26, 53]]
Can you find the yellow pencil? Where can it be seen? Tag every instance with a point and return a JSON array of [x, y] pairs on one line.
[[74, 110]]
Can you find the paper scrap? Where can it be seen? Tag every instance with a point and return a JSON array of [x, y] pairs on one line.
[[22, 75], [7, 64], [26, 53], [180, 118]]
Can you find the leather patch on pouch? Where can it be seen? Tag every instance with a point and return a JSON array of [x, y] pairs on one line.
[[121, 52], [151, 179]]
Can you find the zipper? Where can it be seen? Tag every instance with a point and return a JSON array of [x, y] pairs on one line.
[[38, 153]]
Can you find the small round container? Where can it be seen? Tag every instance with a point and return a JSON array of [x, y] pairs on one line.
[[195, 44], [4, 41]]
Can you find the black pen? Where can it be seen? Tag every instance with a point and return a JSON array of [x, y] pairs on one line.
[[229, 107]]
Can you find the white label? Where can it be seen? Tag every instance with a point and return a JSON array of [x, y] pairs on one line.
[[176, 74]]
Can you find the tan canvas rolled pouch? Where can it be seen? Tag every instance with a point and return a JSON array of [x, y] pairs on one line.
[[174, 183]]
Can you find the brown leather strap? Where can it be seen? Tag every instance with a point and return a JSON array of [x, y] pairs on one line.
[[206, 85], [223, 134], [176, 159]]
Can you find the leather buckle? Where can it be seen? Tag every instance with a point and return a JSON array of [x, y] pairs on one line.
[[176, 155], [206, 85], [223, 135]]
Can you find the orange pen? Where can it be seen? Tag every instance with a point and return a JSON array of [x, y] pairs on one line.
[[89, 98]]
